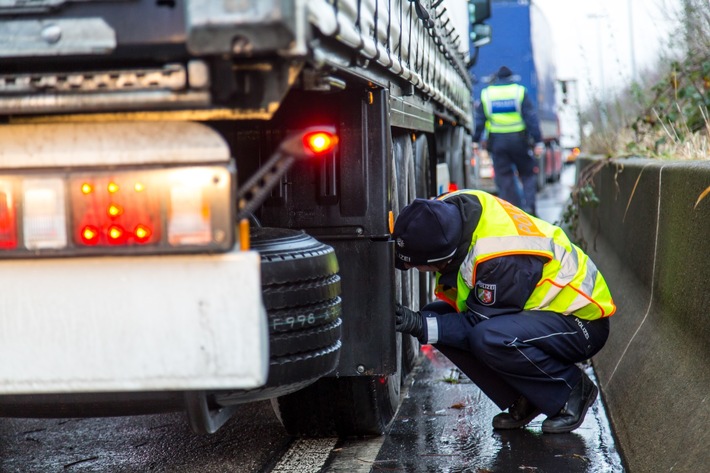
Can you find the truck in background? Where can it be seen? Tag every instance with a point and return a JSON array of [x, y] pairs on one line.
[[521, 39], [196, 201]]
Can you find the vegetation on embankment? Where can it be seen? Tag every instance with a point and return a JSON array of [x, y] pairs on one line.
[[665, 113]]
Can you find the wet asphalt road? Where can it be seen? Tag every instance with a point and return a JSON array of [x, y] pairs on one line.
[[443, 425]]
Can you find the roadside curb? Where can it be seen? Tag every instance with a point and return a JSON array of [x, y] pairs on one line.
[[650, 237]]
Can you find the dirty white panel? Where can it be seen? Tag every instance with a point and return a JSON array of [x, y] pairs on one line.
[[119, 143], [55, 37], [132, 324]]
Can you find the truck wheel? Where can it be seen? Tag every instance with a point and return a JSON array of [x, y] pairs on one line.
[[422, 168], [301, 291], [411, 162], [290, 255], [343, 407], [459, 159], [424, 184]]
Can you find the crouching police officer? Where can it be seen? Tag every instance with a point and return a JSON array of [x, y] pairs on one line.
[[519, 304]]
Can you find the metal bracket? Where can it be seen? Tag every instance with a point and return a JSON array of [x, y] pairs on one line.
[[258, 187], [203, 418]]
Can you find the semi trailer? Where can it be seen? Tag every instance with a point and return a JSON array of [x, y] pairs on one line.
[[196, 201]]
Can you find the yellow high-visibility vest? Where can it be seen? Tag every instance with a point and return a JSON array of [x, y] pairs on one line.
[[502, 105], [570, 283]]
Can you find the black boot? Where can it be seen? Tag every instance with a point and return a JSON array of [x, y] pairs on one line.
[[519, 415], [572, 415]]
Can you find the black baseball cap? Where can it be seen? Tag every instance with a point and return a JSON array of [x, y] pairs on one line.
[[426, 232]]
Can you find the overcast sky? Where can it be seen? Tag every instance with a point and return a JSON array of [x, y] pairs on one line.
[[580, 27]]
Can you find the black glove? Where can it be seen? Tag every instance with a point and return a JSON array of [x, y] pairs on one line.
[[408, 321]]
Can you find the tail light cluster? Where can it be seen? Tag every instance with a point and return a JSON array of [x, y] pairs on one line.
[[181, 209]]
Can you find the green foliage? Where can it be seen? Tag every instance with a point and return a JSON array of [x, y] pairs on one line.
[[666, 116], [679, 103]]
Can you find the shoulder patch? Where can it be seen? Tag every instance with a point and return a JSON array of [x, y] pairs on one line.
[[485, 293]]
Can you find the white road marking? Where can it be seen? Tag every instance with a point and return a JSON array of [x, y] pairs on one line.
[[306, 456], [356, 456], [311, 455]]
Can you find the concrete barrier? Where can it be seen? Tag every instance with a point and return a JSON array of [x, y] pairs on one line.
[[652, 243]]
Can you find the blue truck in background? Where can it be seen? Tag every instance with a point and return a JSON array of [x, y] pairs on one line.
[[521, 39]]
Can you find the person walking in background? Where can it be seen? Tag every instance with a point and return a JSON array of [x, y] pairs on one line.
[[519, 304], [506, 113]]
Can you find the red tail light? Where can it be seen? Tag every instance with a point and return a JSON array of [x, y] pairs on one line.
[[8, 221], [124, 211], [320, 142], [107, 209]]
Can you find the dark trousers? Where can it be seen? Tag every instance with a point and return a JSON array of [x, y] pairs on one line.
[[510, 153], [529, 353]]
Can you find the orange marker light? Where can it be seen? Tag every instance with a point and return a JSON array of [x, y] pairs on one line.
[[112, 187], [139, 187], [320, 142], [86, 188], [244, 238]]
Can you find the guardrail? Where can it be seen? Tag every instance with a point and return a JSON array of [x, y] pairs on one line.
[[650, 237]]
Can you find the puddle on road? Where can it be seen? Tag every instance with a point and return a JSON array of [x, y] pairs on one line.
[[445, 426]]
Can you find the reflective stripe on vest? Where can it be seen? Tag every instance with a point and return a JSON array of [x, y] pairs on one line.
[[570, 283], [502, 105]]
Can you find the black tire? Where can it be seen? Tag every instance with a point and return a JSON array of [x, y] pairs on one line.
[[301, 293], [345, 407], [458, 166], [305, 340], [304, 317], [290, 255], [287, 374], [423, 168], [278, 296], [407, 189]]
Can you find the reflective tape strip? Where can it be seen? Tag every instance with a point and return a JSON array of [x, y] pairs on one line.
[[569, 265], [568, 260], [551, 294], [500, 246], [432, 327], [579, 302], [590, 278]]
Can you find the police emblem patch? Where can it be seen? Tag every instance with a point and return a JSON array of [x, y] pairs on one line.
[[485, 293]]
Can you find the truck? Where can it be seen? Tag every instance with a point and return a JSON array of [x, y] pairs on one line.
[[197, 199], [521, 39]]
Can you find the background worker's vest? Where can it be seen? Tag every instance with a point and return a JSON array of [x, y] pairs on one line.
[[502, 105], [570, 282]]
